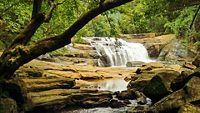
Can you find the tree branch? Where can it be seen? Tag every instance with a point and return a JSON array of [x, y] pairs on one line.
[[52, 8], [59, 41], [36, 8]]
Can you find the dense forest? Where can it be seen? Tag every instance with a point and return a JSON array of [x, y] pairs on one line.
[[32, 28]]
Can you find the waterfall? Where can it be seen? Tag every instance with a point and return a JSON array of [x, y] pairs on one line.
[[117, 52]]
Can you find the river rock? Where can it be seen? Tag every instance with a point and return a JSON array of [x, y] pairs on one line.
[[8, 105], [141, 81], [128, 94], [159, 86], [196, 61], [90, 100], [190, 93]]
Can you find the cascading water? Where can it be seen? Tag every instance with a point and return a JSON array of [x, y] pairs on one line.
[[117, 52]]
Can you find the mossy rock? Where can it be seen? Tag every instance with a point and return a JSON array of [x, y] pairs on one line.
[[159, 85]]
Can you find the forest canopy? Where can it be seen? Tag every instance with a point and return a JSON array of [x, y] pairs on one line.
[[139, 16]]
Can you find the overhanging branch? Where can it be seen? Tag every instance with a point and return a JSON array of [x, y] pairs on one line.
[[59, 41]]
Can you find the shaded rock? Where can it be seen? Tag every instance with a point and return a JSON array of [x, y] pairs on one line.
[[16, 90], [188, 94], [154, 49], [189, 108], [140, 83], [128, 94], [196, 61], [182, 79], [117, 104], [159, 86], [8, 105], [57, 99], [90, 100]]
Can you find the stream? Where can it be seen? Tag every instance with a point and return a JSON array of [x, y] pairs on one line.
[[115, 84]]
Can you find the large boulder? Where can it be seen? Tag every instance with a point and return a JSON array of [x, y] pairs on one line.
[[159, 85], [175, 50], [142, 80], [190, 93]]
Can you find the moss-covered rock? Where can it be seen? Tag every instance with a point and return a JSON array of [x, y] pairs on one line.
[[159, 86], [141, 81]]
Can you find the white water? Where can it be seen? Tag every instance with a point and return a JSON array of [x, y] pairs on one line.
[[117, 52]]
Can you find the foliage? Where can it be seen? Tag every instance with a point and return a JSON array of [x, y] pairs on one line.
[[136, 17]]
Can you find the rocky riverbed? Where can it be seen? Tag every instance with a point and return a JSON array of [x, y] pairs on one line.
[[73, 83]]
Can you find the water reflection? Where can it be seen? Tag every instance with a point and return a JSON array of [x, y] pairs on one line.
[[96, 110], [117, 84], [113, 85]]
